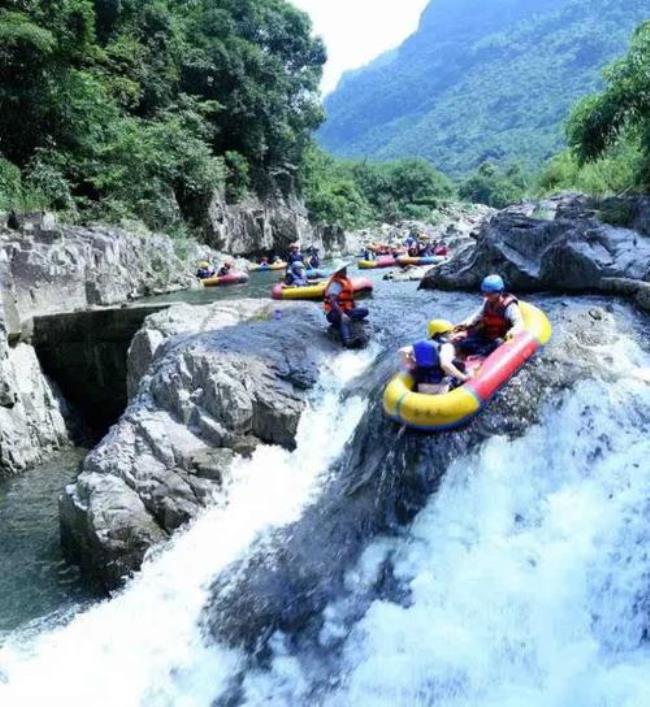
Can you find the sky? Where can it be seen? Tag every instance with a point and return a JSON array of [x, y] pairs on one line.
[[357, 31]]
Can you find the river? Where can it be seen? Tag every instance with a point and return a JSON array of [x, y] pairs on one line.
[[524, 580]]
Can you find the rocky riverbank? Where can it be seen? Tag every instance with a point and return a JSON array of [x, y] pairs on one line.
[[50, 268], [202, 391], [567, 244]]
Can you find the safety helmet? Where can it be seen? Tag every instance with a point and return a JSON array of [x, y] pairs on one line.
[[204, 264], [439, 326], [228, 263], [492, 284]]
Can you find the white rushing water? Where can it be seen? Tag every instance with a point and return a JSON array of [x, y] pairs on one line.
[[528, 574], [144, 646]]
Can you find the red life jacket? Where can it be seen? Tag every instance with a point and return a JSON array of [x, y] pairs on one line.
[[494, 322], [345, 298]]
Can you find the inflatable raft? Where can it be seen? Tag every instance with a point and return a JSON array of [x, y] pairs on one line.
[[263, 267], [442, 412], [233, 278], [384, 261], [424, 260], [361, 285]]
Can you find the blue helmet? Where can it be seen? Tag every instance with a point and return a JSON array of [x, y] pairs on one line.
[[492, 284]]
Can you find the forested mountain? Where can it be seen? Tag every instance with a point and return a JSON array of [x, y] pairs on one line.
[[481, 80]]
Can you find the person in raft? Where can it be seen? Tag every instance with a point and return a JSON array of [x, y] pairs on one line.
[[340, 309], [499, 318], [205, 270], [314, 258], [432, 362], [225, 268], [294, 254], [296, 275]]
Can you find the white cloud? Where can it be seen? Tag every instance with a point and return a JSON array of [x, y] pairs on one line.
[[357, 31]]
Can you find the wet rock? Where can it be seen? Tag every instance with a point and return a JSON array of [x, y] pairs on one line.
[[210, 391]]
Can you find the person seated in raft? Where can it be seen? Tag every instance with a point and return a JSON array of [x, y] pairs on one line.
[[368, 254], [339, 305], [296, 275], [294, 254], [225, 268], [205, 270], [426, 250], [314, 259], [498, 318], [264, 260], [440, 249], [414, 250], [432, 362]]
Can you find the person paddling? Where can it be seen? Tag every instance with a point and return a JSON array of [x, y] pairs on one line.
[[498, 318], [432, 362], [205, 270], [340, 308]]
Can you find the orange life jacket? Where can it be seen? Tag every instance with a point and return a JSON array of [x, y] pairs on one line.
[[494, 322], [345, 298]]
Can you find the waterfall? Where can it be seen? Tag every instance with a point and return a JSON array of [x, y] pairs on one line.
[[145, 645]]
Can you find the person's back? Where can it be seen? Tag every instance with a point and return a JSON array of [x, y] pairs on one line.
[[205, 270], [432, 362]]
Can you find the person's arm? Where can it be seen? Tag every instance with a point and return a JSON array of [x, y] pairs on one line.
[[515, 318], [447, 353], [474, 319], [407, 360]]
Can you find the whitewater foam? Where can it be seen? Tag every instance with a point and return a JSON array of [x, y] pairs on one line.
[[144, 646], [526, 578]]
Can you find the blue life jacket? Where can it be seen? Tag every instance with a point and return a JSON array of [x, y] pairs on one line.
[[427, 362]]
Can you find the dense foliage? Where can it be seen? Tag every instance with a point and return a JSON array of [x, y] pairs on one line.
[[355, 194], [142, 107], [613, 127], [481, 80]]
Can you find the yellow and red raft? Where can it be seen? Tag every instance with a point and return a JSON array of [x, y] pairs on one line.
[[448, 410]]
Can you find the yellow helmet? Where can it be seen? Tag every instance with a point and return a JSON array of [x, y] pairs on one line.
[[204, 264], [439, 326]]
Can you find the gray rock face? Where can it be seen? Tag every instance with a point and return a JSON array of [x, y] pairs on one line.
[[202, 391], [68, 267], [253, 225], [572, 252], [32, 420]]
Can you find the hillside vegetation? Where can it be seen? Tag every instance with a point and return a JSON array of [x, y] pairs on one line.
[[115, 108]]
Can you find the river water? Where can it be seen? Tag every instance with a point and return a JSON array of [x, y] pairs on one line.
[[525, 580]]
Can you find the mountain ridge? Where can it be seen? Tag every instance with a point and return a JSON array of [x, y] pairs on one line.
[[480, 80]]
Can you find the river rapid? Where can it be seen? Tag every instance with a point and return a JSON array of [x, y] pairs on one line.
[[523, 580]]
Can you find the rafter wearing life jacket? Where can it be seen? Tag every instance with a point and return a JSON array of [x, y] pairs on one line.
[[339, 290], [494, 323], [427, 360]]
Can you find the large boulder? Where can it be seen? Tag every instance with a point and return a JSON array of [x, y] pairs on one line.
[[202, 392], [559, 245]]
